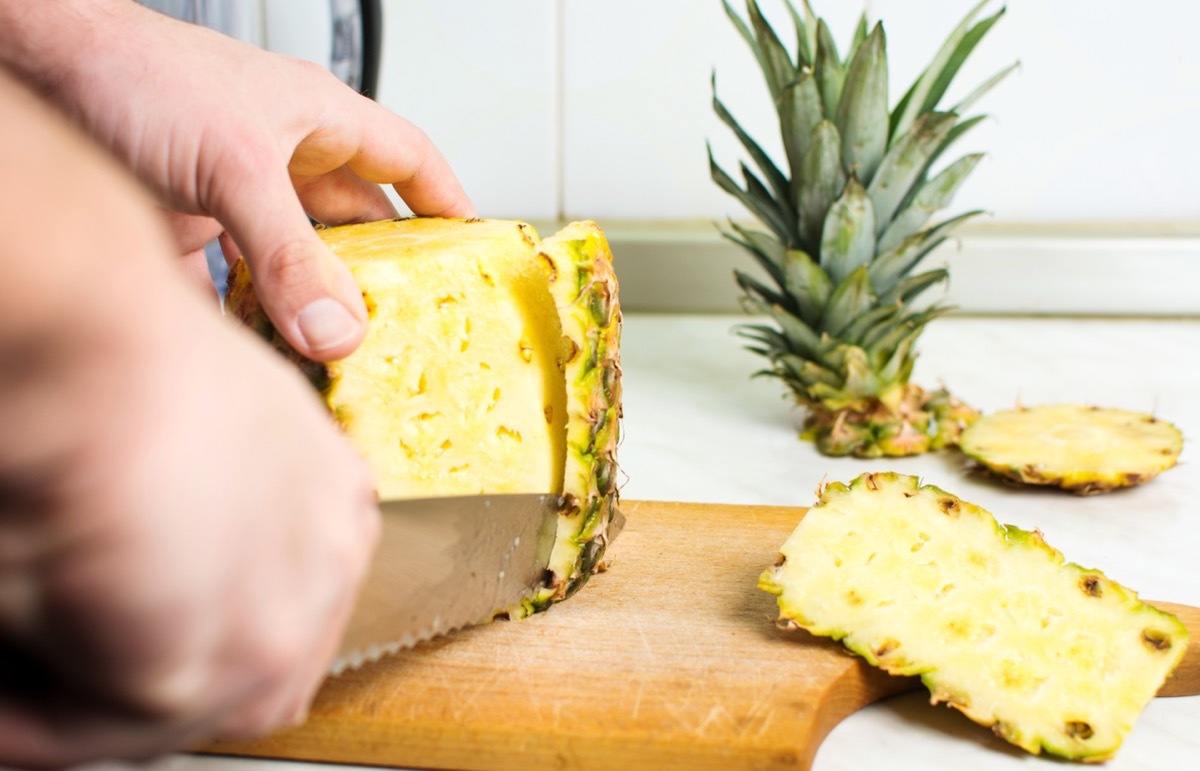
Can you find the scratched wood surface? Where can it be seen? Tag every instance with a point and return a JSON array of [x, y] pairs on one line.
[[670, 660]]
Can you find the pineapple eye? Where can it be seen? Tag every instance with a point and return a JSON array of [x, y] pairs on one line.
[[1078, 729], [1090, 585], [1156, 640]]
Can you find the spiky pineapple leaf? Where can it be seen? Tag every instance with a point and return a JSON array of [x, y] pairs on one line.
[[806, 29], [804, 280], [905, 164], [969, 100], [822, 180], [830, 73], [860, 35], [778, 67], [907, 289], [957, 57], [862, 113], [764, 210], [896, 263], [882, 315], [753, 287], [775, 178], [799, 113], [849, 300], [848, 236], [913, 103], [768, 252], [932, 195]]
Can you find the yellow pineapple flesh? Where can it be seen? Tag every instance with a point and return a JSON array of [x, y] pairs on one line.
[[1083, 449], [490, 365], [1053, 656]]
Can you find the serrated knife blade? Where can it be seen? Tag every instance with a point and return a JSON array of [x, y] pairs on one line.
[[447, 563]]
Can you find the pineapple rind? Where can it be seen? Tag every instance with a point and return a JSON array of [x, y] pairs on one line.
[[578, 264], [1086, 450], [1054, 656]]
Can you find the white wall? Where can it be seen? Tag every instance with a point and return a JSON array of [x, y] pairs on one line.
[[600, 108]]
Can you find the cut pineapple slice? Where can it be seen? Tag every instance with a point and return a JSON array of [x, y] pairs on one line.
[[1053, 656], [491, 365], [1083, 449]]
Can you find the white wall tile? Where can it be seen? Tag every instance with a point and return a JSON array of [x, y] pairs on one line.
[[1097, 125], [479, 78]]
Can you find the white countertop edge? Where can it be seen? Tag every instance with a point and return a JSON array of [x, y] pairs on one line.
[[687, 268]]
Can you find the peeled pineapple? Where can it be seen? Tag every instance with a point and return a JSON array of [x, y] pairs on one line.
[[1086, 450], [1053, 656], [490, 365]]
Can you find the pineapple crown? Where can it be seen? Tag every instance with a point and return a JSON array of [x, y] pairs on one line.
[[850, 223]]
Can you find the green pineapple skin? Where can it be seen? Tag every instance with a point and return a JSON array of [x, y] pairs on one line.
[[579, 266], [847, 224], [1143, 645]]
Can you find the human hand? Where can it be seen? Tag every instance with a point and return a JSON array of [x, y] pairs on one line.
[[182, 527], [240, 141]]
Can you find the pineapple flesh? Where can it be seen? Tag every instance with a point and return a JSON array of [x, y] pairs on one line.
[[1053, 656], [490, 365], [848, 224], [1086, 450]]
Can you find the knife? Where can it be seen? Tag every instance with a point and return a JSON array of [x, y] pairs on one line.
[[446, 563]]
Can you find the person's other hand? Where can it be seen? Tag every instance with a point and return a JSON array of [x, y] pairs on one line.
[[230, 134], [182, 527]]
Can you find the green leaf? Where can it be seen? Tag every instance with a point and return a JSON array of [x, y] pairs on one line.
[[983, 88], [933, 195], [914, 101], [830, 72], [767, 214], [896, 263], [822, 180], [806, 284], [756, 289], [778, 182], [777, 64], [907, 289], [960, 54], [799, 113], [905, 164], [800, 337], [808, 372], [852, 298], [806, 34], [859, 37], [882, 347], [848, 236], [765, 250], [858, 328], [862, 114]]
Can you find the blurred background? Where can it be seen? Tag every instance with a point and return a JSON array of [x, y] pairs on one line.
[[552, 110]]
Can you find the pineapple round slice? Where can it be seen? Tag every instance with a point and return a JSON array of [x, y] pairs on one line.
[[1055, 657], [1086, 450]]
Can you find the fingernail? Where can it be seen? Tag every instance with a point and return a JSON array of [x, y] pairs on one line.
[[326, 324]]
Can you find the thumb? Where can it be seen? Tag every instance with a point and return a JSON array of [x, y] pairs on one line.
[[308, 293]]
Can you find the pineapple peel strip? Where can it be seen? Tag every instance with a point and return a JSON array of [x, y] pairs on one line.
[[1053, 656]]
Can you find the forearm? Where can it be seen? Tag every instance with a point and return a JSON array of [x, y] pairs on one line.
[[76, 278]]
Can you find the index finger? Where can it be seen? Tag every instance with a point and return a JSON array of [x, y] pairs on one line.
[[394, 151]]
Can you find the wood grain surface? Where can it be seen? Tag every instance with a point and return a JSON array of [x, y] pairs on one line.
[[670, 660]]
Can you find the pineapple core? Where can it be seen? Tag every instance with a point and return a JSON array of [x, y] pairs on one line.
[[458, 387]]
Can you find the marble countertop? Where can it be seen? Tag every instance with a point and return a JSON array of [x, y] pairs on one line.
[[698, 428]]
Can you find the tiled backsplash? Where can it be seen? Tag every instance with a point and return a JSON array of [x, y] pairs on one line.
[[601, 108]]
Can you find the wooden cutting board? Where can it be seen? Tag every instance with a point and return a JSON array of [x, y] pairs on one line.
[[670, 660]]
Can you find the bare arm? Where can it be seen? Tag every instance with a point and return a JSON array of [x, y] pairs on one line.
[[182, 528], [246, 141]]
